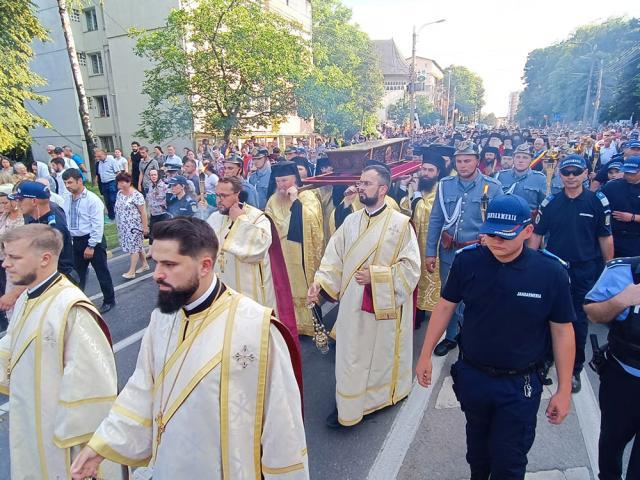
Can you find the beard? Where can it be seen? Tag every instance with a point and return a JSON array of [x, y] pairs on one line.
[[26, 279], [176, 298], [426, 184], [223, 210], [367, 201]]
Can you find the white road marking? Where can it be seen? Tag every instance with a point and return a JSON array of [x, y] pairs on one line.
[[124, 285], [404, 428], [588, 413]]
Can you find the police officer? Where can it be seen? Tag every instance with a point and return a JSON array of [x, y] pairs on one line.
[[515, 300], [614, 301], [33, 200], [180, 204], [521, 180], [455, 221], [624, 197], [578, 224]]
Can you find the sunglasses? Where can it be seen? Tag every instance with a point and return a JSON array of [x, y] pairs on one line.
[[565, 172]]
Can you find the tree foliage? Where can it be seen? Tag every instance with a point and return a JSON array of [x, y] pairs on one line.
[[489, 119], [18, 28], [557, 77], [399, 112], [469, 89], [221, 66], [344, 89]]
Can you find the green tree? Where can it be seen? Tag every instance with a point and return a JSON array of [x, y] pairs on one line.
[[399, 112], [489, 119], [222, 66], [468, 89], [345, 87], [18, 28]]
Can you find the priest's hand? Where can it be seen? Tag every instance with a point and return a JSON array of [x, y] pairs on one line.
[[86, 464], [235, 211], [423, 370], [363, 276], [313, 294], [350, 195], [430, 262], [292, 193]]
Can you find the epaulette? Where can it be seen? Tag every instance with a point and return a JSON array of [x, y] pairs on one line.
[[491, 180], [548, 254], [547, 200], [450, 177], [619, 262], [536, 172], [468, 248], [603, 199]]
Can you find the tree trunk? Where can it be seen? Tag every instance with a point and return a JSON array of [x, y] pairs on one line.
[[79, 84]]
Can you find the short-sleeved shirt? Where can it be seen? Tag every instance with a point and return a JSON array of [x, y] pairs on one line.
[[181, 207], [615, 278], [508, 306], [623, 197], [574, 225], [57, 219]]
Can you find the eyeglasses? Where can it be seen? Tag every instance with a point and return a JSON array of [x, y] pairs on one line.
[[224, 195], [365, 184], [569, 172]]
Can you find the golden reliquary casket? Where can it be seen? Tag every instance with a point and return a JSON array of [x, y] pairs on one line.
[[348, 162]]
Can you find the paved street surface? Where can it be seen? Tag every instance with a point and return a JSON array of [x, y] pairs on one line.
[[421, 438]]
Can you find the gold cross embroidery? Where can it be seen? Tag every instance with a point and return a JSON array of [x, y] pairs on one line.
[[244, 357]]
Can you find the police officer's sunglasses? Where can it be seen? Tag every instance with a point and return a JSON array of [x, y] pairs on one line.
[[567, 172]]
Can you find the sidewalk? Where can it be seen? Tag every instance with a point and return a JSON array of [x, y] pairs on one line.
[[438, 450]]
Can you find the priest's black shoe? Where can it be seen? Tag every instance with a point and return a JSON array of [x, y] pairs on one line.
[[332, 420], [576, 384], [444, 347], [106, 307]]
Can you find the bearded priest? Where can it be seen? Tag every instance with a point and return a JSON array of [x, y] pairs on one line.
[[371, 265], [56, 362], [214, 378]]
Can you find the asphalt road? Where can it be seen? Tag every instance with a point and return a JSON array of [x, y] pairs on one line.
[[421, 438]]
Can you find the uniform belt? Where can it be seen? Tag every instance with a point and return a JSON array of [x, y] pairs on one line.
[[458, 245], [501, 372]]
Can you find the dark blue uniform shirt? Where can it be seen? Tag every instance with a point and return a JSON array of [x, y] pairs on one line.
[[574, 225], [624, 197], [58, 220], [508, 306], [181, 207]]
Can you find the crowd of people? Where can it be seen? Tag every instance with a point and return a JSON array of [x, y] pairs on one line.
[[498, 241]]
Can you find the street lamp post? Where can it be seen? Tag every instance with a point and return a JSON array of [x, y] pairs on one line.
[[412, 75]]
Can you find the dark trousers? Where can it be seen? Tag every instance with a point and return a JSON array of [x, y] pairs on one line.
[[619, 423], [99, 264], [501, 421], [4, 321], [153, 219], [583, 277], [109, 191], [626, 246]]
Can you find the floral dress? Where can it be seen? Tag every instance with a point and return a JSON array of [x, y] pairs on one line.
[[129, 221]]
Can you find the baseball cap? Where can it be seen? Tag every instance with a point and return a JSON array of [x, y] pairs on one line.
[[573, 161], [612, 165], [631, 165], [177, 180], [28, 189], [632, 144], [507, 215]]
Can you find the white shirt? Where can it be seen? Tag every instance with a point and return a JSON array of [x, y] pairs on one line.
[[122, 163], [173, 159], [607, 153], [85, 216], [43, 171], [62, 188], [210, 182]]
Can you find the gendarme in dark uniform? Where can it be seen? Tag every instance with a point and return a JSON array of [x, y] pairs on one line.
[[614, 301], [578, 225], [515, 305], [624, 196], [180, 204]]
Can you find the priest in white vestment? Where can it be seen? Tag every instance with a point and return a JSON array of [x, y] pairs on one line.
[[56, 361], [372, 266], [214, 394]]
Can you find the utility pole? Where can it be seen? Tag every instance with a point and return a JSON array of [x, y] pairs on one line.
[[453, 111], [587, 99], [446, 113], [596, 105], [412, 84]]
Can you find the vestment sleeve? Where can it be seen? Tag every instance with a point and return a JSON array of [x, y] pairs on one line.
[[249, 241]]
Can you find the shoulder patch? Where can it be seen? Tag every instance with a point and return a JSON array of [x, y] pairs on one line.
[[468, 248], [548, 254], [547, 200], [603, 198]]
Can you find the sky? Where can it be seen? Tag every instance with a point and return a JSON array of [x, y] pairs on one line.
[[492, 37]]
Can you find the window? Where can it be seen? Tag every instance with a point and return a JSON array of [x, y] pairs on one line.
[[96, 64], [92, 19], [106, 143], [103, 106], [74, 15], [82, 59], [90, 103]]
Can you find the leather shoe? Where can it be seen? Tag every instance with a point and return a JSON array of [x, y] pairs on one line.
[[332, 420], [106, 307], [576, 384], [444, 347]]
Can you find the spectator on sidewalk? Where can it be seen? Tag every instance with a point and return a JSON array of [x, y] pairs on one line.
[[134, 162], [77, 160], [121, 161], [146, 164], [57, 169], [158, 155], [85, 220], [131, 220], [10, 218], [171, 155], [106, 171], [157, 201]]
